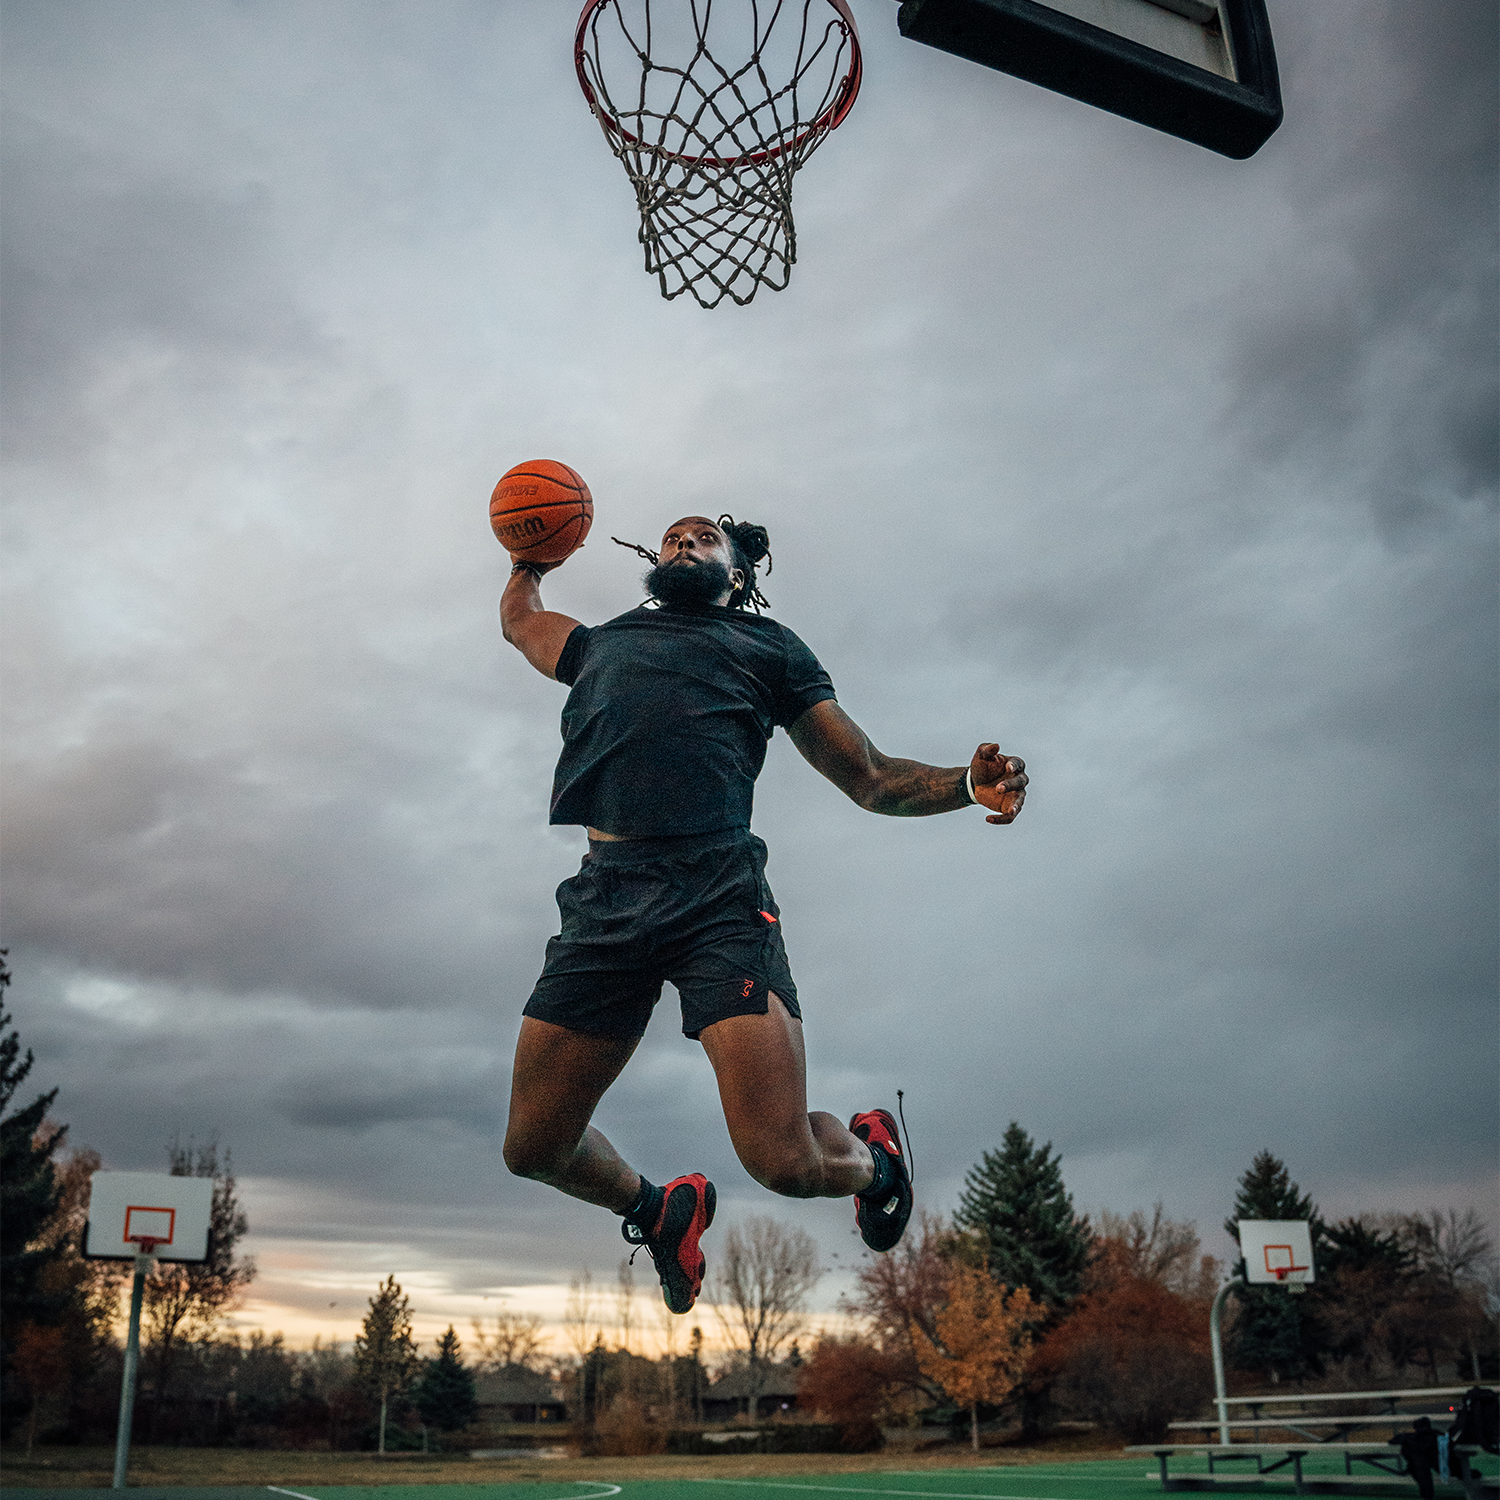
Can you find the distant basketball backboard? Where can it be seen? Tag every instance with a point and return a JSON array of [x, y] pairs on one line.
[[1278, 1252], [134, 1211], [1203, 70]]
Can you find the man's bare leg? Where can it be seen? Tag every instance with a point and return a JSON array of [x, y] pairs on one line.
[[557, 1083], [762, 1073]]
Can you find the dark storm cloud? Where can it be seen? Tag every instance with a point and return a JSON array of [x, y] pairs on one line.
[[1372, 344], [103, 259]]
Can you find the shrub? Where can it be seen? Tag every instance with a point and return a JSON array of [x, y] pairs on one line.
[[1131, 1358]]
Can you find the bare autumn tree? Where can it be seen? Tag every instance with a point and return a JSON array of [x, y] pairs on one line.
[[1166, 1251], [184, 1301], [625, 1308], [983, 1337], [581, 1329], [513, 1338], [766, 1270], [906, 1287], [1444, 1309], [385, 1353]]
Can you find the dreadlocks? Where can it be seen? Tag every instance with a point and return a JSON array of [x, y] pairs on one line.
[[748, 544]]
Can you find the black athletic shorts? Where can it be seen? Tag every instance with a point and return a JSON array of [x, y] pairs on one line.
[[695, 910]]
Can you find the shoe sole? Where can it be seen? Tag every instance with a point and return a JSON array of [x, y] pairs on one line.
[[679, 1226]]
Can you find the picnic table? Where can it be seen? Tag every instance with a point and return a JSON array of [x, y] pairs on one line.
[[1323, 1432], [1269, 1458]]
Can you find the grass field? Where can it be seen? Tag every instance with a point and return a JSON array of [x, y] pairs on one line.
[[221, 1474]]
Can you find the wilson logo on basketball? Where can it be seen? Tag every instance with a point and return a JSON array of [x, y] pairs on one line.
[[528, 527]]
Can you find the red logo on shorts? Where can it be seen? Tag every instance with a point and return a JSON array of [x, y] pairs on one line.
[[767, 915], [749, 985]]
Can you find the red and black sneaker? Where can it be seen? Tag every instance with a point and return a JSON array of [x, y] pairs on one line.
[[882, 1217], [687, 1210]]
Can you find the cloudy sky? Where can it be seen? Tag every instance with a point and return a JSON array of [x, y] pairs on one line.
[[1173, 474]]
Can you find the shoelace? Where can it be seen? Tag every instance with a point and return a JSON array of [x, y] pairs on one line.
[[911, 1160]]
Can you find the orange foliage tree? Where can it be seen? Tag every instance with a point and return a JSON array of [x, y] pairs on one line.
[[983, 1336]]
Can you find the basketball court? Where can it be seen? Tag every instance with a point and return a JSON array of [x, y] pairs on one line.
[[1108, 1479]]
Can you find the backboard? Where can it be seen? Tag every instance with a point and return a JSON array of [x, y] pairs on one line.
[[1203, 70], [1278, 1252], [132, 1211]]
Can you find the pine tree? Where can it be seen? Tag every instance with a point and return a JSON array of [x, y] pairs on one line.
[[1016, 1199], [385, 1354], [29, 1189], [445, 1393], [1275, 1330]]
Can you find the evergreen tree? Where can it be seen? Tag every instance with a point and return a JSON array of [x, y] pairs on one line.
[[445, 1393], [1275, 1330], [1015, 1198], [385, 1354], [29, 1190]]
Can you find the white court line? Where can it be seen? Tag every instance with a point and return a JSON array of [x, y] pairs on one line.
[[603, 1489], [845, 1489], [1081, 1470]]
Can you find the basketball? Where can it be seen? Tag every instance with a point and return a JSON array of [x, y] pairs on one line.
[[541, 511]]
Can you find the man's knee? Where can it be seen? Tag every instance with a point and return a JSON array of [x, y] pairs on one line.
[[541, 1161], [790, 1174]]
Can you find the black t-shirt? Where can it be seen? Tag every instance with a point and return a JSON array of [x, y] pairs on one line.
[[666, 727]]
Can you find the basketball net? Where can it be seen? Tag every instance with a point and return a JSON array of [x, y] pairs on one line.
[[711, 146]]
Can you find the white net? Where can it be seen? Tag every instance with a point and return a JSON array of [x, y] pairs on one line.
[[712, 108]]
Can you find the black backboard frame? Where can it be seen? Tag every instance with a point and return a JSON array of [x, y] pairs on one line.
[[1057, 51]]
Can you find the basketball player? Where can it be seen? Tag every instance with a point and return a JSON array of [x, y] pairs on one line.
[[664, 734]]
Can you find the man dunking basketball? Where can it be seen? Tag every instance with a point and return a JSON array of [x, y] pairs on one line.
[[664, 733]]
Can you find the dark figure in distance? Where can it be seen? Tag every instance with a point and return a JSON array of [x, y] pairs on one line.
[[664, 732], [1420, 1450]]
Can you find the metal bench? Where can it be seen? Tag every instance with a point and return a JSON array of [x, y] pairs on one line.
[[1289, 1456]]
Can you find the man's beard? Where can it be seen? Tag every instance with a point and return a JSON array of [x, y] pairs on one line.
[[688, 583]]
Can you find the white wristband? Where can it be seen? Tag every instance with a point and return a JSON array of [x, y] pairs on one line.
[[969, 786]]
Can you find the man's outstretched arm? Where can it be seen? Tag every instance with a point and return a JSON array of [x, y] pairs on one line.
[[834, 744], [539, 634]]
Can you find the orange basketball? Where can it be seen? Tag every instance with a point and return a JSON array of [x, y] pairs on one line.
[[541, 511]]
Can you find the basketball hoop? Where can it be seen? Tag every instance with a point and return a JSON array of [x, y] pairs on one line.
[[1293, 1278], [711, 147], [145, 1244]]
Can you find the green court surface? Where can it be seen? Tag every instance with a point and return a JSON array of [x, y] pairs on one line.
[[1100, 1480]]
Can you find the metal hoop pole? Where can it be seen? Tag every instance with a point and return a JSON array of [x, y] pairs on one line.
[[1222, 1400], [143, 1260]]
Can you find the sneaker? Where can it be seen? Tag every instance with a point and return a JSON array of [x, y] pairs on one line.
[[882, 1221], [687, 1210]]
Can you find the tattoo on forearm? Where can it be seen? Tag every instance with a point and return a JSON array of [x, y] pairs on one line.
[[912, 790]]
